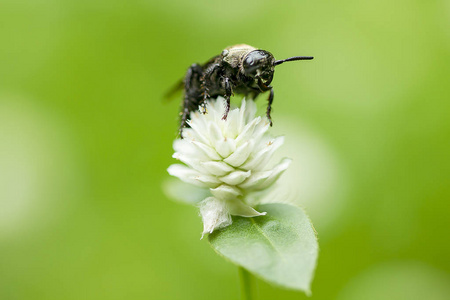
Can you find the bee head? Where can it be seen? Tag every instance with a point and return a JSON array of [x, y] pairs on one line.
[[260, 65]]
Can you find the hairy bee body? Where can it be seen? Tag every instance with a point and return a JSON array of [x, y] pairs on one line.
[[239, 69]]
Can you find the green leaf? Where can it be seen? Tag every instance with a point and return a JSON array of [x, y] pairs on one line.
[[280, 247], [184, 192]]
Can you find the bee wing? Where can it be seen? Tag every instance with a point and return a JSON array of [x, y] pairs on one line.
[[174, 91]]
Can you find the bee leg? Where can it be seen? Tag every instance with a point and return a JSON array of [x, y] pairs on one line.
[[191, 80], [228, 93], [184, 114], [269, 106], [205, 94], [204, 85]]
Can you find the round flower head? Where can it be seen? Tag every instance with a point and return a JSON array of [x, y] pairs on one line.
[[228, 157]]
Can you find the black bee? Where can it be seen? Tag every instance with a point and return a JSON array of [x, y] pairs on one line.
[[240, 69]]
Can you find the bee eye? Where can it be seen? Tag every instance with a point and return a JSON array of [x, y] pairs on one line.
[[249, 61], [257, 60], [250, 66]]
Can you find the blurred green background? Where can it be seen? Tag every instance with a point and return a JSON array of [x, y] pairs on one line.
[[85, 140]]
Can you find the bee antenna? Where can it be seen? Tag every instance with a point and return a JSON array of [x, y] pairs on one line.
[[279, 62]]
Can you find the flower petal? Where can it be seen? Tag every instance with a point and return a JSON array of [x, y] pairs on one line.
[[231, 127], [236, 177], [259, 160], [263, 179], [255, 180], [218, 168], [198, 131], [210, 181], [238, 208], [225, 147], [190, 161], [212, 154], [276, 173], [242, 120], [215, 134], [241, 154], [226, 192], [186, 174], [211, 115], [247, 132], [186, 147], [260, 129], [250, 111]]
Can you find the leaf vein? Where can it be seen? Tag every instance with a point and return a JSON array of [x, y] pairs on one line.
[[268, 239]]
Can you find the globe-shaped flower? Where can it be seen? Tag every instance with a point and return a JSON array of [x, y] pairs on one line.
[[228, 157]]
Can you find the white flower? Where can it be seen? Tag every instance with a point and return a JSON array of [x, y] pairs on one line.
[[230, 158]]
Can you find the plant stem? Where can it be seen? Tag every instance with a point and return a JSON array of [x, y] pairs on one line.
[[246, 284]]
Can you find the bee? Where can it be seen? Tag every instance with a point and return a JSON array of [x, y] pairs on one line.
[[239, 69]]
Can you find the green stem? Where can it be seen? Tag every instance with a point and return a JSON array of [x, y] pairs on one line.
[[246, 284]]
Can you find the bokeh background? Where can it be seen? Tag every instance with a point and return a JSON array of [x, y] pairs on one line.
[[85, 140]]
